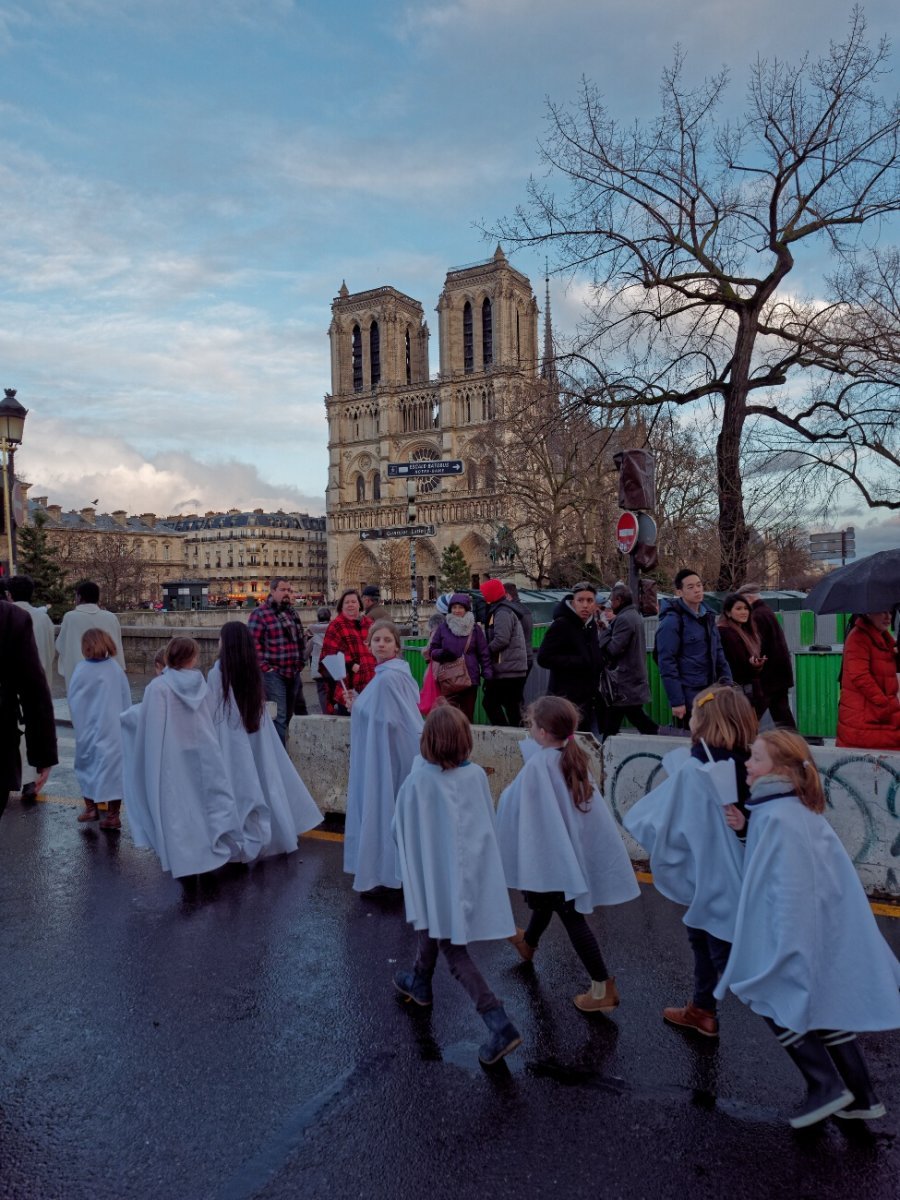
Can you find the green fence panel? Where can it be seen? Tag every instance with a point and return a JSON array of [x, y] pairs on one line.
[[817, 693], [807, 628]]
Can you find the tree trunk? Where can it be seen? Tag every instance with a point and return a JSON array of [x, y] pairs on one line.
[[733, 536]]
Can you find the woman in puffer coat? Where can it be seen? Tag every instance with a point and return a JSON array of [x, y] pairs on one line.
[[449, 641], [869, 709]]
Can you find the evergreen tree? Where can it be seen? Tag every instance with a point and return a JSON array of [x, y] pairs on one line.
[[455, 573], [39, 559]]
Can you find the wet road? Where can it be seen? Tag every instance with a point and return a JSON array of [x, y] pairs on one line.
[[242, 1039]]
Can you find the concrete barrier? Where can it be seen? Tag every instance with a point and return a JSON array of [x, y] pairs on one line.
[[862, 791]]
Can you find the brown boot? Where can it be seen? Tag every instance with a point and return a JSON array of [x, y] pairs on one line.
[[692, 1017], [601, 997], [90, 812], [112, 819], [526, 952]]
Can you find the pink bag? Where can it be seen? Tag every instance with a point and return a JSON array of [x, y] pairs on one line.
[[429, 693]]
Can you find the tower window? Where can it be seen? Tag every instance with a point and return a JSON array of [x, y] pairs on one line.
[[375, 353], [357, 359], [487, 333], [376, 486], [408, 358], [518, 344], [360, 489], [468, 350]]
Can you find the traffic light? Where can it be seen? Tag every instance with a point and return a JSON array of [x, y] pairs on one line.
[[637, 479]]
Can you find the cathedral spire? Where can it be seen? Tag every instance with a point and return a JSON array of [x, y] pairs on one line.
[[548, 365]]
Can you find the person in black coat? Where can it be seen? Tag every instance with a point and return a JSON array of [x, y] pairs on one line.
[[623, 645], [24, 697], [571, 652], [777, 675]]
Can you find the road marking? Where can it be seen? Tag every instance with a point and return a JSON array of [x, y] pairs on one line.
[[879, 907]]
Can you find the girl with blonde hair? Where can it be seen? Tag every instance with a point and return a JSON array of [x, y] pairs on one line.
[[98, 695]]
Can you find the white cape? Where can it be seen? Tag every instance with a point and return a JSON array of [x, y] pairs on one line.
[[177, 795], [385, 730], [696, 859], [548, 845], [98, 692], [807, 951], [274, 806], [453, 883]]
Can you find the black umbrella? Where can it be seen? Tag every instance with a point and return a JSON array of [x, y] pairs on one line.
[[870, 584]]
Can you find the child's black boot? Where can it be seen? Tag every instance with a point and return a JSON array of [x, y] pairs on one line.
[[414, 985], [850, 1062], [826, 1091], [504, 1036]]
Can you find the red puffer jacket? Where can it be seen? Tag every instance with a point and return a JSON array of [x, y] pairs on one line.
[[869, 711]]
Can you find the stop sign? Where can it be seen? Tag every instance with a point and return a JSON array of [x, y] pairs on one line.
[[627, 532]]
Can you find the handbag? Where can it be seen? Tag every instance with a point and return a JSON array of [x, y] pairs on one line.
[[605, 688], [453, 677], [429, 693]]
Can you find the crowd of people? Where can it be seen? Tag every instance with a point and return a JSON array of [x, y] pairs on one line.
[[206, 780]]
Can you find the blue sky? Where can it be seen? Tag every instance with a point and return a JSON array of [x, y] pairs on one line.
[[183, 187]]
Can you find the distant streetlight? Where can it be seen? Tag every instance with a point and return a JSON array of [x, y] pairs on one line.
[[12, 427]]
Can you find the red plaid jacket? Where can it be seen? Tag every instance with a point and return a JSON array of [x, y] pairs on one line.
[[348, 637], [279, 639]]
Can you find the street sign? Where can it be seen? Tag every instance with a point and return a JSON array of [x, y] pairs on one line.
[[425, 467], [397, 531], [627, 532], [838, 544]]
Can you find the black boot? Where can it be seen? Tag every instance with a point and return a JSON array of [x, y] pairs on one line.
[[504, 1036], [826, 1093], [848, 1058], [415, 985]]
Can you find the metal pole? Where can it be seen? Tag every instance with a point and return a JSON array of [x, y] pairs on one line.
[[411, 520], [7, 508]]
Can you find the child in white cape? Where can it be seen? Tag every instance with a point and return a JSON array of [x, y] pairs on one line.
[[98, 695], [453, 884], [560, 845]]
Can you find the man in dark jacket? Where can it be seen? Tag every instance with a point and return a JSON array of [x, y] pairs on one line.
[[509, 660], [777, 675], [624, 649], [571, 652], [526, 620], [24, 698], [688, 647]]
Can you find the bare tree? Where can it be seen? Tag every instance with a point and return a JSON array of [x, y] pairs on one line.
[[690, 226], [112, 560]]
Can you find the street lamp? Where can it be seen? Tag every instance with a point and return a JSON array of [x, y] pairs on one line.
[[12, 426]]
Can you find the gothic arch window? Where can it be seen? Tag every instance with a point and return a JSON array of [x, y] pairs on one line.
[[360, 489], [466, 405], [490, 475], [487, 333], [518, 340], [468, 345], [356, 349], [408, 357], [472, 473], [376, 486], [375, 353]]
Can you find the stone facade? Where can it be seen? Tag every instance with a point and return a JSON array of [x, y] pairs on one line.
[[385, 407]]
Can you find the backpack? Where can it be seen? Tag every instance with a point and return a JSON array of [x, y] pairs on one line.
[[654, 653]]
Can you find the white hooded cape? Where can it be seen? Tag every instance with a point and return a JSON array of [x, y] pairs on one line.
[[385, 729], [177, 794], [98, 692], [453, 883], [548, 845], [696, 859], [807, 951], [274, 806]]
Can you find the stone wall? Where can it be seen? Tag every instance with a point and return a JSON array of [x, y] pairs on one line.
[[141, 644]]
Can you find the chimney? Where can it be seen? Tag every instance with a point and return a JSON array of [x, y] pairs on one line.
[[120, 516], [54, 511], [41, 501], [88, 515], [149, 519]]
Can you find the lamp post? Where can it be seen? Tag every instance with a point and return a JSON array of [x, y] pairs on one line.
[[12, 426]]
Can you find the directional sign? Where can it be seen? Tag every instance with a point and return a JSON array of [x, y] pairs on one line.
[[627, 532], [425, 467], [397, 531]]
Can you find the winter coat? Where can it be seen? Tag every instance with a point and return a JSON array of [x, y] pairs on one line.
[[571, 652], [689, 652], [624, 649], [506, 641], [869, 711], [526, 620], [348, 637], [23, 687], [742, 670], [445, 646], [777, 675]]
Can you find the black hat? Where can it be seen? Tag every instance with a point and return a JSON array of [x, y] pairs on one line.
[[372, 590]]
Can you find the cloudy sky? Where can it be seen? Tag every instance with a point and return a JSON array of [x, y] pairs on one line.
[[184, 184]]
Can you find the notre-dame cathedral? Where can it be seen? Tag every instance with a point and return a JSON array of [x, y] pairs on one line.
[[385, 407]]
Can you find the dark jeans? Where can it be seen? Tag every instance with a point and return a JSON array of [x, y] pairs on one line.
[[322, 693], [612, 721], [461, 967], [503, 700], [283, 690], [780, 709], [465, 702], [543, 905], [710, 957]]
